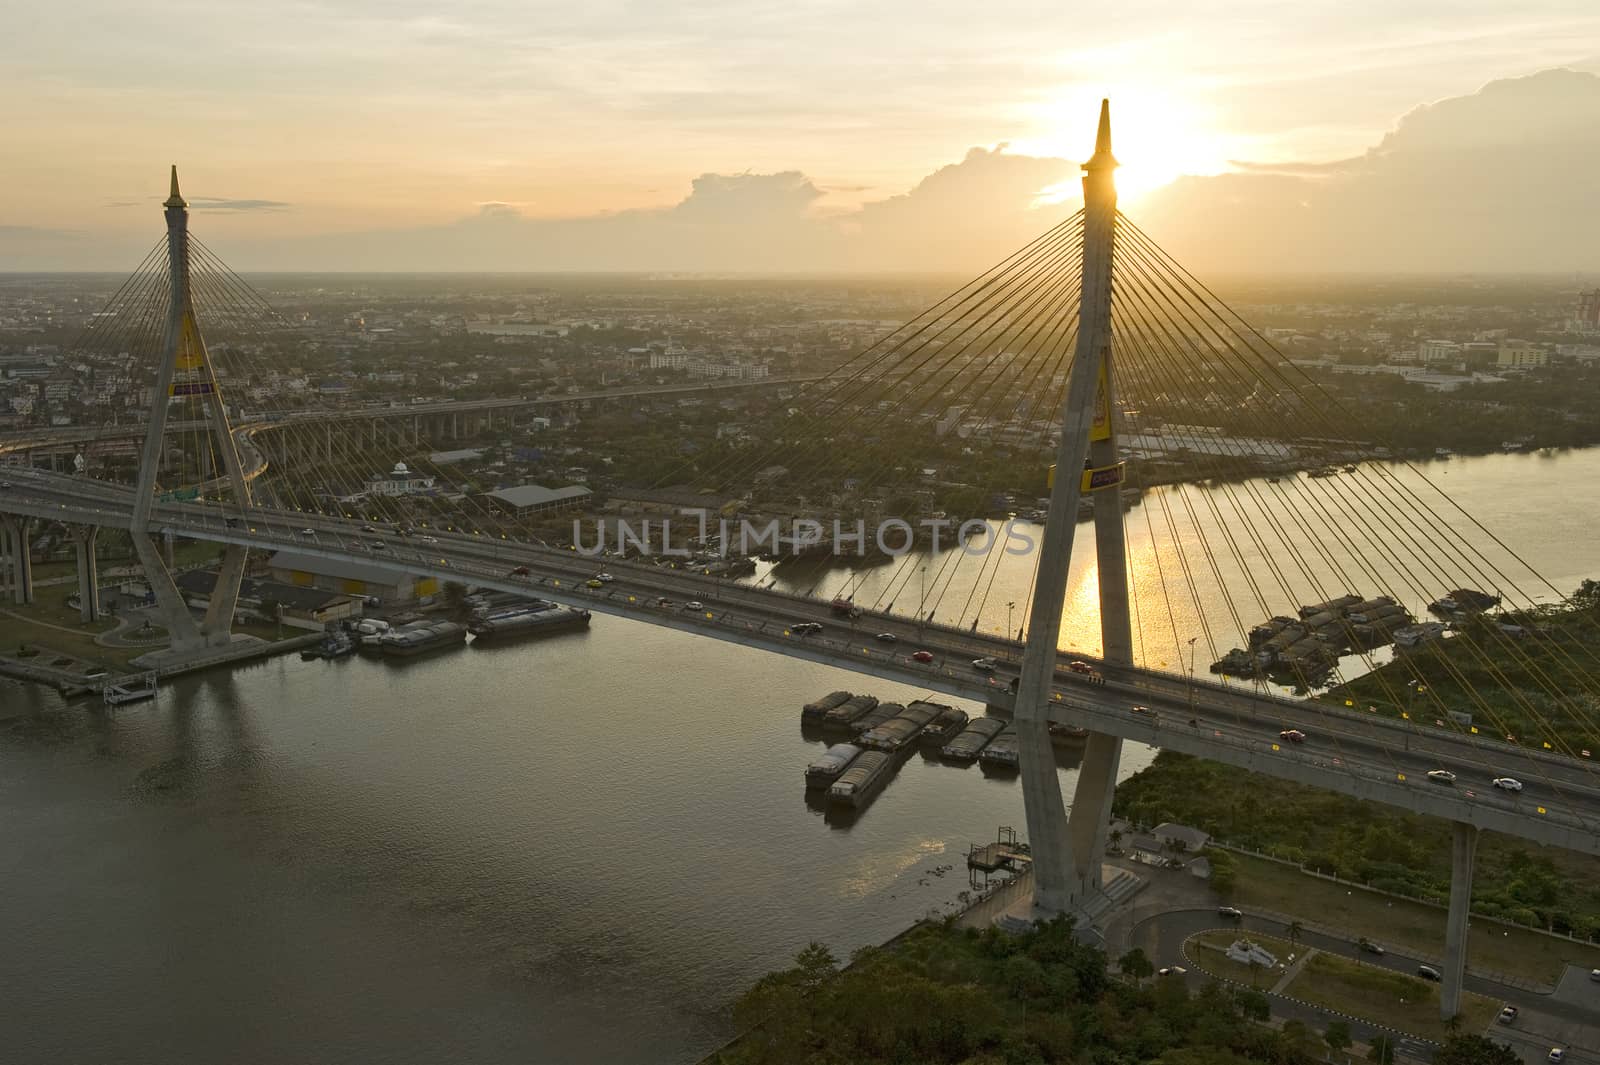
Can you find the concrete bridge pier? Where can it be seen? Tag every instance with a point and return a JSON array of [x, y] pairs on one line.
[[217, 626], [84, 539], [15, 549], [1463, 848]]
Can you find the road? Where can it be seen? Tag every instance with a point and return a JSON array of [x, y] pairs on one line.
[[1349, 751]]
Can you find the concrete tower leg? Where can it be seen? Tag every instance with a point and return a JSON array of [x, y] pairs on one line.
[[217, 627], [5, 558], [88, 573], [17, 530], [1463, 848], [170, 607], [1062, 853]]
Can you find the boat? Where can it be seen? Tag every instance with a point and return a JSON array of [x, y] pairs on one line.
[[1413, 635], [875, 717], [848, 712], [864, 778], [943, 728], [972, 739], [534, 619], [422, 637], [1001, 752], [818, 708], [1063, 735], [129, 689], [901, 729], [826, 767]]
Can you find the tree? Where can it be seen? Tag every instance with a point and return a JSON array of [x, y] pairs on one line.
[[1135, 965], [455, 598], [1254, 1005], [1381, 1050], [1295, 930], [1337, 1035], [1116, 840], [1474, 1050], [1255, 971]]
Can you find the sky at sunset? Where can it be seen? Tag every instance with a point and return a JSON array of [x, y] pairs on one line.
[[762, 136]]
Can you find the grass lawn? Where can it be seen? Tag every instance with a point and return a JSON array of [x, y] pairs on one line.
[[50, 609], [1384, 996], [1401, 924], [1207, 952]]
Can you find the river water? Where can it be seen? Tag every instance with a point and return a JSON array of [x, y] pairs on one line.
[[576, 850]]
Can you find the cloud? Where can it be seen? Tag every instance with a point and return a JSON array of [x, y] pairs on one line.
[[218, 204], [964, 216], [1500, 180]]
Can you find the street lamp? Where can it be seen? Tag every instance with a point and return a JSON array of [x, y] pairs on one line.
[[922, 600], [1009, 607], [1192, 639]]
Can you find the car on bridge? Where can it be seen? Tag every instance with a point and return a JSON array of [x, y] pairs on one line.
[[379, 545], [1441, 776], [428, 539], [1143, 710], [369, 528], [595, 582], [886, 637], [806, 628], [1428, 972], [922, 656], [518, 571], [308, 531], [1080, 667], [694, 604], [1507, 1015], [604, 578], [1556, 1054], [1507, 783], [1292, 735], [984, 665], [1367, 946]]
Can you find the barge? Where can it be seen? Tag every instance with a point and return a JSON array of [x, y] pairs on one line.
[[901, 729], [536, 619], [946, 726], [972, 739], [875, 717], [864, 778], [422, 637], [815, 710], [846, 714], [1001, 752], [826, 767]]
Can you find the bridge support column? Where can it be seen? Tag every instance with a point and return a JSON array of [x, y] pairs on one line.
[[217, 627], [170, 607], [84, 540], [5, 560], [1463, 849], [330, 444], [1067, 854], [17, 530]]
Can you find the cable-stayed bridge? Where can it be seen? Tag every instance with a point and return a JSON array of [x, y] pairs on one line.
[[1091, 348]]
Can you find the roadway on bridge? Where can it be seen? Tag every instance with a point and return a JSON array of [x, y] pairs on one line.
[[1348, 751]]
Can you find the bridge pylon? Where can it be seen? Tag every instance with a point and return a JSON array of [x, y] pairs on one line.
[[1067, 850], [185, 374]]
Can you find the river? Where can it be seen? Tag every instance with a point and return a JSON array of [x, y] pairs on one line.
[[576, 850]]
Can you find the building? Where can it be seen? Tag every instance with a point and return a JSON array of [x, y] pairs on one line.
[[527, 499], [301, 607], [389, 584], [1587, 317], [1517, 354], [400, 481], [1432, 351]]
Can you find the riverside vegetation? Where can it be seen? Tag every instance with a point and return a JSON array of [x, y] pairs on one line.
[[941, 995]]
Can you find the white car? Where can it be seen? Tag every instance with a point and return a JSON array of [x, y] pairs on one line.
[[694, 604], [608, 578], [885, 637], [308, 532], [983, 665], [1441, 776], [1507, 783], [429, 539]]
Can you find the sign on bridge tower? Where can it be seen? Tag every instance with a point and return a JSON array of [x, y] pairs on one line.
[[185, 467], [1067, 852]]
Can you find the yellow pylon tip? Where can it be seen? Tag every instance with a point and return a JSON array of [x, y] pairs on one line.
[[176, 199]]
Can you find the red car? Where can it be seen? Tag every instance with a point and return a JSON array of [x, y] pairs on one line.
[[1292, 735], [1080, 667], [923, 656], [520, 571]]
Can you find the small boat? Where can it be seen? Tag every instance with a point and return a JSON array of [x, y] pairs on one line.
[[1001, 753]]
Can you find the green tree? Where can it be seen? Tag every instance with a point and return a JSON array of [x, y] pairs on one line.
[[1254, 1005], [1135, 965], [1337, 1035], [1474, 1050], [455, 601], [1381, 1050], [1295, 930]]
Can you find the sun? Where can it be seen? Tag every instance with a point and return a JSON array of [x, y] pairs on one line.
[[1157, 137]]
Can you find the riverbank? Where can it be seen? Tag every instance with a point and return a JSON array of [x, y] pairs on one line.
[[1367, 843]]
